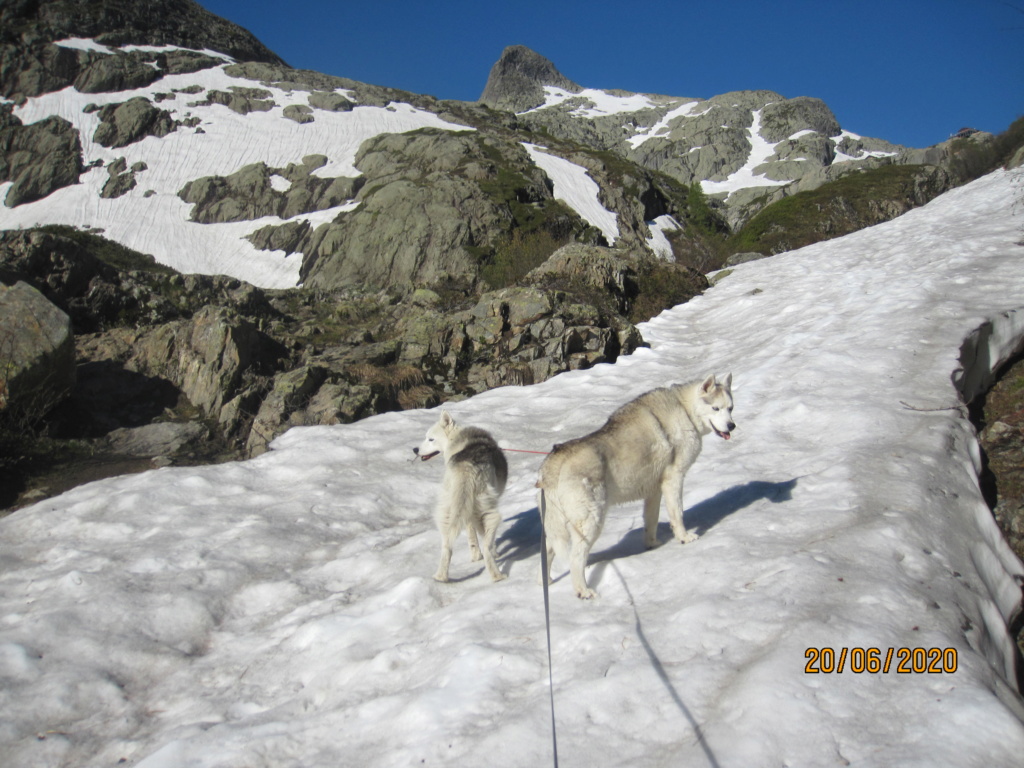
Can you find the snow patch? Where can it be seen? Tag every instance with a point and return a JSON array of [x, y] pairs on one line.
[[574, 186]]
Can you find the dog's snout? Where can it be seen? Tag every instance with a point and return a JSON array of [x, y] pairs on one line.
[[731, 426], [416, 451]]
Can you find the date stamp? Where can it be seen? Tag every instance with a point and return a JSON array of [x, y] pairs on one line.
[[903, 661]]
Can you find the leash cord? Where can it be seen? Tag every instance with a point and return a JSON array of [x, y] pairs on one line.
[[547, 620], [521, 450]]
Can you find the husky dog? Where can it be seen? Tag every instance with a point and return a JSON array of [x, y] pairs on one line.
[[474, 477], [642, 452]]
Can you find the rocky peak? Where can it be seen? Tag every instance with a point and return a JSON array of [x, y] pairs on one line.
[[517, 80]]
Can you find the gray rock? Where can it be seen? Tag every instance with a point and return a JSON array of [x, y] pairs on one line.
[[300, 113], [27, 71], [516, 82], [163, 438], [291, 392], [209, 357], [240, 100], [329, 101], [117, 72], [39, 158], [743, 258], [120, 180], [37, 353], [125, 123], [248, 194]]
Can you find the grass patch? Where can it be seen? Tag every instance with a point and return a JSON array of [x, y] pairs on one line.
[[832, 210], [517, 254]]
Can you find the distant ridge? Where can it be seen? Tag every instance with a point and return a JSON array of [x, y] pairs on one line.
[[517, 79], [128, 22]]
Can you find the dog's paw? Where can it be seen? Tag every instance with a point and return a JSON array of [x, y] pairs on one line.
[[475, 555], [586, 594], [498, 577], [442, 577], [688, 538]]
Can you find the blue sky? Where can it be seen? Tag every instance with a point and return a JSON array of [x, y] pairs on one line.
[[909, 72]]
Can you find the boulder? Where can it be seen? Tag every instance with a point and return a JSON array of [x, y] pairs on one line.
[[162, 438], [300, 113], [329, 101], [240, 100], [290, 393], [210, 357], [37, 353], [248, 194], [39, 158], [125, 123], [118, 72], [120, 180]]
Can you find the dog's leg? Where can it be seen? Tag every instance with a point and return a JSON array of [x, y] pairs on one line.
[[672, 489], [474, 545], [555, 539], [585, 526], [448, 525], [578, 564], [487, 522], [652, 506]]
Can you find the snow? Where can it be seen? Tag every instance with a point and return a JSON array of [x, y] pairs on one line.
[[658, 241], [151, 218], [761, 150], [662, 127], [281, 611], [573, 185], [842, 157], [601, 103]]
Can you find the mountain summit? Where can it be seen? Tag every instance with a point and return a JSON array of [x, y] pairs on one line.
[[517, 80]]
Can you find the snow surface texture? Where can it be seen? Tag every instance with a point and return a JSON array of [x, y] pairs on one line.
[[151, 218], [574, 186], [281, 611]]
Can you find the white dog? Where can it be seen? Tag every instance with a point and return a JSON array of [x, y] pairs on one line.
[[474, 477], [642, 452]]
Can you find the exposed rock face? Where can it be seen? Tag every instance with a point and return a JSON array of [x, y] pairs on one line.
[[125, 123], [424, 203], [37, 352], [121, 179], [119, 72], [250, 193], [39, 158], [705, 140], [30, 65], [517, 80], [208, 357]]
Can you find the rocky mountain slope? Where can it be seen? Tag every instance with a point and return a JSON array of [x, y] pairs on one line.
[[254, 247]]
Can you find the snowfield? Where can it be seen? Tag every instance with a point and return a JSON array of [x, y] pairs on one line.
[[151, 218], [281, 611]]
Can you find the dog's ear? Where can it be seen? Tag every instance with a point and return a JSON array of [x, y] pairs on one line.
[[727, 382], [447, 422], [708, 384]]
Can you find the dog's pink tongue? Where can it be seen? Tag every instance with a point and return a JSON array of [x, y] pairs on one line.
[[725, 435]]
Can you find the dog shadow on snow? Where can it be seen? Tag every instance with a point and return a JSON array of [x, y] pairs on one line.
[[521, 539]]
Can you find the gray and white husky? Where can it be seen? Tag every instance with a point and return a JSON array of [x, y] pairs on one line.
[[474, 477], [642, 452]]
